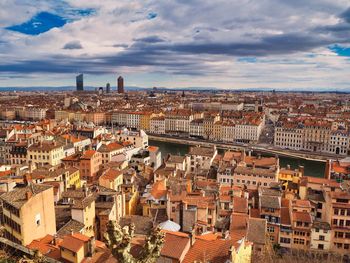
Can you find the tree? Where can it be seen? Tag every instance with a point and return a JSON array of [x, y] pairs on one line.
[[119, 242]]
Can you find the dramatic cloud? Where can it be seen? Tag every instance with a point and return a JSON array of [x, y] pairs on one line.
[[178, 43], [75, 44]]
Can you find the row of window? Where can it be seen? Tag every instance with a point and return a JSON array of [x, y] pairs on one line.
[[341, 212], [341, 222], [342, 235], [8, 221]]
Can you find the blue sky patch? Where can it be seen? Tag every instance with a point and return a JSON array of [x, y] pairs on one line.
[[40, 23], [152, 15], [340, 51], [247, 59]]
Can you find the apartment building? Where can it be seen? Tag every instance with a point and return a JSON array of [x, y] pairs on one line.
[[137, 139], [313, 135], [110, 151], [178, 121], [197, 128], [200, 158], [270, 209], [252, 177], [192, 211], [157, 125], [289, 135], [28, 213], [45, 152], [34, 113], [90, 163], [111, 178], [321, 235], [338, 216], [133, 120], [119, 118]]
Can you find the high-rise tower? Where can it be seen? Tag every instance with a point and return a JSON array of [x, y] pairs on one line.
[[120, 85], [80, 82], [108, 88]]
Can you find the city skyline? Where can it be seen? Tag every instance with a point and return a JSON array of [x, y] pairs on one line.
[[177, 44]]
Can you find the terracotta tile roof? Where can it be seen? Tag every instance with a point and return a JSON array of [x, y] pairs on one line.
[[111, 174], [321, 181], [262, 162], [239, 223], [285, 216], [240, 205], [229, 156], [285, 202], [81, 237], [255, 213], [43, 244], [175, 244], [110, 147], [159, 189], [72, 138], [88, 154], [215, 251], [153, 148], [72, 244], [301, 216], [301, 203]]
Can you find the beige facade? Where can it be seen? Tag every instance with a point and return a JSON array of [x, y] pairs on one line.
[[29, 213], [45, 153]]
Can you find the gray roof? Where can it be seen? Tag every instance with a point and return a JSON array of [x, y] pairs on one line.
[[17, 197], [257, 230], [176, 159], [255, 171], [270, 202], [72, 225], [202, 151]]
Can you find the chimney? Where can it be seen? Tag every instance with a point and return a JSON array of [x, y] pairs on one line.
[[26, 179], [192, 236], [29, 194], [288, 166], [71, 231], [91, 246]]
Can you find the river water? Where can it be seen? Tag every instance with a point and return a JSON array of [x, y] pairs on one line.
[[311, 168]]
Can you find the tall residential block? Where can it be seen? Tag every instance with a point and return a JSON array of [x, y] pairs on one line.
[[80, 82], [120, 84]]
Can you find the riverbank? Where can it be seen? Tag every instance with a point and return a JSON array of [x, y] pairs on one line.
[[311, 167], [264, 149]]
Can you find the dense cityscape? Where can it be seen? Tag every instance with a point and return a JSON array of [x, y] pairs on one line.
[[83, 180], [174, 131]]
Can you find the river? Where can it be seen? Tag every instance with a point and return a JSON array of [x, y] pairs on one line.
[[311, 168]]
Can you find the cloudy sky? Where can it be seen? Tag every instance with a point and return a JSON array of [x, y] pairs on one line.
[[285, 44]]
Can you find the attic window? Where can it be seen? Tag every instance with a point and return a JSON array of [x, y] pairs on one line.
[[37, 220]]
